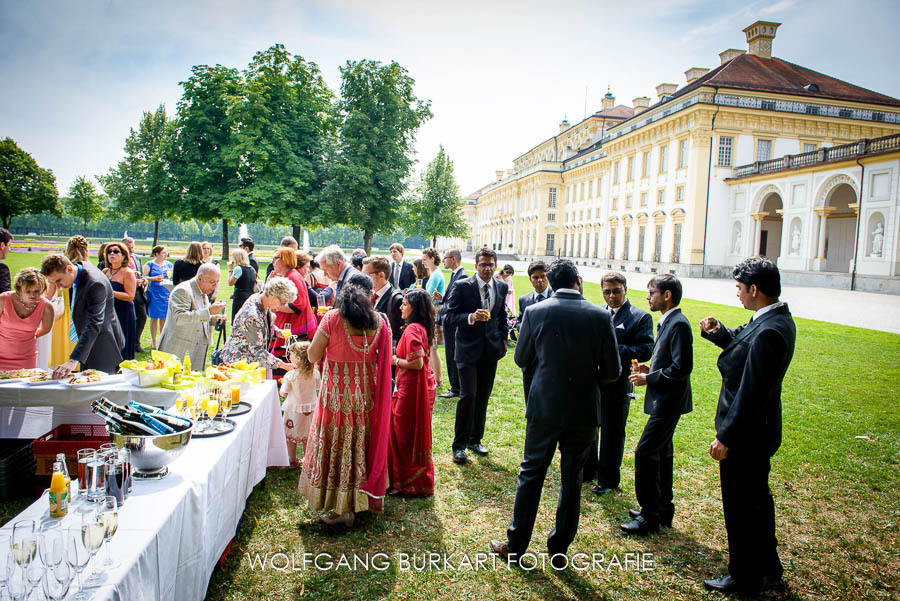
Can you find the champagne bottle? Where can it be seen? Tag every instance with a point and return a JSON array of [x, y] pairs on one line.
[[134, 414], [175, 421], [122, 422]]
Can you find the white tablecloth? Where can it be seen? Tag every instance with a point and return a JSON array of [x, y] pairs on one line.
[[173, 531]]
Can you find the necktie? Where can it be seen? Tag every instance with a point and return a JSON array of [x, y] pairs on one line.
[[73, 335], [658, 328], [538, 298], [485, 297], [374, 299]]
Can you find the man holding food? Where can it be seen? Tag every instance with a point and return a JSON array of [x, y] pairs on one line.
[[189, 315]]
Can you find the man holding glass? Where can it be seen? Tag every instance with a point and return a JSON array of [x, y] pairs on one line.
[[189, 315]]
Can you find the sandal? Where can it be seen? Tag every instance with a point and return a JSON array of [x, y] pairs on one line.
[[333, 519]]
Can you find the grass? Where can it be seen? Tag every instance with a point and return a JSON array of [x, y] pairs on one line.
[[835, 481]]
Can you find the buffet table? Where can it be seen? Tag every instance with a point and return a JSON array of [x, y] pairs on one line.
[[173, 531]]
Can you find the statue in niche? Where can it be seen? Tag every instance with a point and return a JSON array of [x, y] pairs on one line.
[[738, 239], [795, 240], [877, 240]]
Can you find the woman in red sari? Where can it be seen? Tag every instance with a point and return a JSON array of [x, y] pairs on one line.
[[299, 316], [409, 457]]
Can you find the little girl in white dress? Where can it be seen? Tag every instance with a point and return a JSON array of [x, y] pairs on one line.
[[299, 386]]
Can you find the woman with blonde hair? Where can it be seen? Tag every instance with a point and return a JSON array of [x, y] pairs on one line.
[[61, 344], [186, 268], [243, 278], [25, 315]]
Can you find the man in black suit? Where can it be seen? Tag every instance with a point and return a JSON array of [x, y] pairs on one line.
[[402, 274], [97, 335], [5, 277], [571, 344], [452, 259], [248, 245], [537, 275], [336, 266], [478, 312], [668, 397], [753, 362], [634, 335], [385, 298]]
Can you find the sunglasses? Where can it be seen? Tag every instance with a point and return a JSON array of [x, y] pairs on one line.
[[114, 251]]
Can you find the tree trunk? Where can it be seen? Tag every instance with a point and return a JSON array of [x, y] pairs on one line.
[[225, 240], [367, 241], [297, 233], [7, 219], [434, 242], [156, 233], [85, 228]]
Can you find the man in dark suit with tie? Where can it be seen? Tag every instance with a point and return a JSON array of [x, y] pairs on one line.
[[537, 275], [571, 344], [634, 335], [478, 312], [402, 274], [753, 362], [452, 260], [668, 397], [99, 336], [385, 298]]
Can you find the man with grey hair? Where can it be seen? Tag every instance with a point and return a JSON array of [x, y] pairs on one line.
[[336, 266], [189, 315]]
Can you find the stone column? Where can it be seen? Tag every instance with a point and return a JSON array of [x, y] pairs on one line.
[[757, 232], [818, 263]]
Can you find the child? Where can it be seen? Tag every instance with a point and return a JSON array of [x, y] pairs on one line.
[[299, 386]]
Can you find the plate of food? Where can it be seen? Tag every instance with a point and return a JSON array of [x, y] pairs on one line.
[[87, 377], [22, 375]]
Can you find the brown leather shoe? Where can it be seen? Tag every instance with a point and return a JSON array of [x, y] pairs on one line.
[[502, 549]]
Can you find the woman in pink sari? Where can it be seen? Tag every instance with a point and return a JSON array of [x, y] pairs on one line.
[[409, 457], [345, 464]]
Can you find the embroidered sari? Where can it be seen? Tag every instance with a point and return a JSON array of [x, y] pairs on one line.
[[345, 464], [409, 458]]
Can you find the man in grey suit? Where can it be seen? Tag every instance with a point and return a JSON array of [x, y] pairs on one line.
[[189, 316], [94, 327], [572, 345]]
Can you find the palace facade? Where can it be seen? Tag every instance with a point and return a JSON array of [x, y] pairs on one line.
[[758, 156]]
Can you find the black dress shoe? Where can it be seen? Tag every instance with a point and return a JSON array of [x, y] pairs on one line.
[[479, 449], [665, 523], [450, 394], [639, 526], [502, 549], [727, 584], [459, 456], [138, 349]]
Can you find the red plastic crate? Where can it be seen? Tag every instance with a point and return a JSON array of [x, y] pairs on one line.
[[68, 439]]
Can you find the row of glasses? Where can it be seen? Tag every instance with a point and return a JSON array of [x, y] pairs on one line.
[[207, 400], [105, 471]]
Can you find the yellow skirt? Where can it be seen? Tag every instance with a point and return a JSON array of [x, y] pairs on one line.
[[61, 345]]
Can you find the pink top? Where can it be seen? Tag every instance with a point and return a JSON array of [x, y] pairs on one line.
[[17, 335]]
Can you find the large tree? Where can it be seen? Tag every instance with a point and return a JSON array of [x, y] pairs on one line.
[[141, 186], [280, 128], [200, 153], [380, 115], [436, 208], [25, 188], [84, 202]]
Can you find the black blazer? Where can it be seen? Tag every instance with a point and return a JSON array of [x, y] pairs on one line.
[[526, 300], [482, 336], [570, 344], [253, 263], [5, 279], [669, 381], [634, 335], [454, 277], [407, 275], [100, 337], [389, 304], [753, 363]]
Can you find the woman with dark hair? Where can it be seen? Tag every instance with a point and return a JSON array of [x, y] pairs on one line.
[[352, 419], [435, 287], [186, 268], [506, 276], [410, 464], [243, 278], [155, 272], [124, 284], [421, 272], [101, 256]]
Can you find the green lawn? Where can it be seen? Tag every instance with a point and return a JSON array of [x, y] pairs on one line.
[[835, 481]]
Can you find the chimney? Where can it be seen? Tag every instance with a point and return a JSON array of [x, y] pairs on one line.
[[640, 104], [726, 55], [760, 36], [563, 125], [609, 101], [499, 174], [664, 90], [509, 172], [695, 73]]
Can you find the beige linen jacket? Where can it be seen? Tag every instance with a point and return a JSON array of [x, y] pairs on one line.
[[187, 328]]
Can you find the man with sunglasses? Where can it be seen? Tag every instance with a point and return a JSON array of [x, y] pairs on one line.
[[634, 336], [668, 397]]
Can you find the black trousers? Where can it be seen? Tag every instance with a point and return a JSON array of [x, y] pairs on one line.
[[749, 517], [606, 464], [541, 441], [476, 380], [140, 314], [653, 458], [450, 353]]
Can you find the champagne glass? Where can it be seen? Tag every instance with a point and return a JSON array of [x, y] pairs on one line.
[[92, 535], [52, 544], [286, 333], [6, 565], [227, 402], [57, 581], [17, 585], [24, 542], [34, 573], [77, 557], [108, 515], [212, 408], [179, 404]]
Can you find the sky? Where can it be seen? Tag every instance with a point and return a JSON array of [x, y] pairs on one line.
[[500, 74]]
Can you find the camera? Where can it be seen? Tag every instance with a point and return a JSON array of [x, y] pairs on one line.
[[219, 325]]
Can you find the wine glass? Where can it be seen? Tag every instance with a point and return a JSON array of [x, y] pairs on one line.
[[17, 585], [108, 515], [57, 581], [34, 573], [77, 557], [92, 534], [6, 565], [51, 544], [24, 542]]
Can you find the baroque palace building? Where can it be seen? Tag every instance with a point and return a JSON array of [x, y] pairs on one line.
[[758, 156]]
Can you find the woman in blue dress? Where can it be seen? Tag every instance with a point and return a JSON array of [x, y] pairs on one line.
[[435, 287], [155, 272], [124, 284]]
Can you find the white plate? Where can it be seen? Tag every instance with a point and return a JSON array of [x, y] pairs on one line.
[[104, 380], [22, 380]]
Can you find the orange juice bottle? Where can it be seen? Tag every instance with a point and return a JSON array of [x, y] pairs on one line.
[[187, 364], [59, 493]]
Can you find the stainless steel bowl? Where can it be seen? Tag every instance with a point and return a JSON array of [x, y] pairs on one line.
[[151, 454]]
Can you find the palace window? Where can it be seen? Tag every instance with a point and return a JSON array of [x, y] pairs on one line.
[[627, 242], [661, 197], [657, 247], [643, 199], [809, 147], [676, 244], [682, 154], [630, 168], [645, 165], [628, 202], [551, 243], [615, 204], [551, 216], [642, 235], [663, 159], [725, 144], [763, 150], [612, 243], [679, 194], [616, 172], [551, 203]]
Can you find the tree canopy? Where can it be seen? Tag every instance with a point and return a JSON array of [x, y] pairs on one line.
[[25, 187], [84, 202], [436, 207]]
